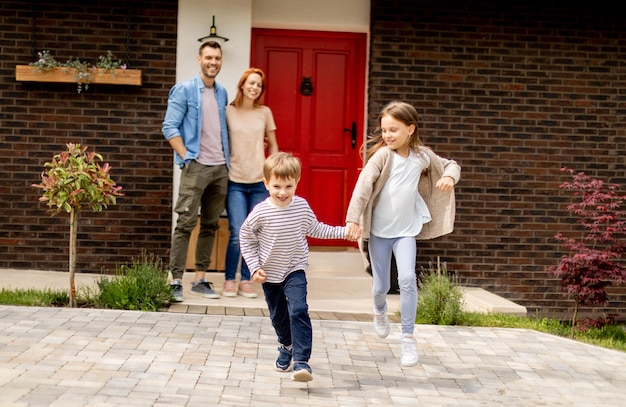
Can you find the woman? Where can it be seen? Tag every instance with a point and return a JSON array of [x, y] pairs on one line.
[[250, 128]]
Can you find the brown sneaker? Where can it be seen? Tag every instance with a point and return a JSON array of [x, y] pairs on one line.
[[246, 289], [229, 289]]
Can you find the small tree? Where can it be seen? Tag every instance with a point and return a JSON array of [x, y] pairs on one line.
[[596, 256], [72, 180]]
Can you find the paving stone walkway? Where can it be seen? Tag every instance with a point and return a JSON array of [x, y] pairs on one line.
[[89, 357]]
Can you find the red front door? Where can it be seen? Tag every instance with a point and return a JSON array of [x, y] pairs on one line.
[[315, 88]]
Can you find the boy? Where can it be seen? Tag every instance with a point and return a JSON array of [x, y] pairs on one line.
[[273, 244]]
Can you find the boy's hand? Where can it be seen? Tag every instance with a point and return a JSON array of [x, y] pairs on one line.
[[353, 231], [445, 184], [260, 276]]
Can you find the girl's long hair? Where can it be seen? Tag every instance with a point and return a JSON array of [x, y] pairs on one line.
[[401, 111], [239, 98]]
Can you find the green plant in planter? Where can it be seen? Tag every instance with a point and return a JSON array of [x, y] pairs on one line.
[[83, 71], [46, 62], [71, 181], [83, 74], [108, 64]]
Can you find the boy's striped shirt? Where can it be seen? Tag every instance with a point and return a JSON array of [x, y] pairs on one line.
[[273, 238]]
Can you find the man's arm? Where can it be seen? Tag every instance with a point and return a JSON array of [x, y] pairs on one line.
[[178, 146]]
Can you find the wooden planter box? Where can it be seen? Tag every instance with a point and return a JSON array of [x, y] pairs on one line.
[[28, 73]]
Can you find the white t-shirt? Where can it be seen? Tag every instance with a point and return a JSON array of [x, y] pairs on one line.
[[400, 210]]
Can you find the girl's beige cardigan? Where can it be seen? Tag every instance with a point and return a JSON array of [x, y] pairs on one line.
[[376, 172]]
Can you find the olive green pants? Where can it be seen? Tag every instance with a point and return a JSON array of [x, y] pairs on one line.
[[202, 188]]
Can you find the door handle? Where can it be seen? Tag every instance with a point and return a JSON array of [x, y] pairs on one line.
[[352, 132]]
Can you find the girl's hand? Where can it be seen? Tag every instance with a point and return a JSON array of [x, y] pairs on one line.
[[445, 184], [260, 276], [353, 231]]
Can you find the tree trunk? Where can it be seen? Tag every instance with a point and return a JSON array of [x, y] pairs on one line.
[[73, 236], [574, 318]]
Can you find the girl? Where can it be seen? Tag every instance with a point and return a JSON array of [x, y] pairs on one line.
[[404, 192], [250, 127]]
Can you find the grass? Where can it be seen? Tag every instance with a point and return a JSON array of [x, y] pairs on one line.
[[35, 298], [610, 336]]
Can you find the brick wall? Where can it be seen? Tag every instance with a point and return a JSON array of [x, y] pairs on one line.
[[123, 123], [513, 93]]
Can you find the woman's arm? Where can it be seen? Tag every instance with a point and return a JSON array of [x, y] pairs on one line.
[[270, 137]]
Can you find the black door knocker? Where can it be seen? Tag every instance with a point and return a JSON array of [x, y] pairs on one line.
[[306, 87]]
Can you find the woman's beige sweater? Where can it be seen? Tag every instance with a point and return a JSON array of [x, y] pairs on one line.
[[376, 172]]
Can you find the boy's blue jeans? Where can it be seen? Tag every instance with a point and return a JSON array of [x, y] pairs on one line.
[[289, 313], [240, 200]]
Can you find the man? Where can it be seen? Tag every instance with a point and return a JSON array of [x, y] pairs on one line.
[[195, 127]]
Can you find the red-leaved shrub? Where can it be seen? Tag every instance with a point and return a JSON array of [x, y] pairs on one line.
[[596, 257]]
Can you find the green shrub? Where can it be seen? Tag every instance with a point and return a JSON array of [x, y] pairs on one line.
[[141, 286], [440, 298]]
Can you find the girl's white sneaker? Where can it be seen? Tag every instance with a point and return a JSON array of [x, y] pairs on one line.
[[381, 323], [409, 351]]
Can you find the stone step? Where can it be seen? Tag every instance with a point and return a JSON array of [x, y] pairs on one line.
[[476, 299]]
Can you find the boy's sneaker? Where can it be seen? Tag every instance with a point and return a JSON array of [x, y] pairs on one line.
[[302, 372], [229, 289], [409, 351], [204, 288], [177, 291], [381, 323], [283, 362], [246, 289]]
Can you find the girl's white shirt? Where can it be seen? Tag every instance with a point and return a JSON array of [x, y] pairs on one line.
[[400, 210]]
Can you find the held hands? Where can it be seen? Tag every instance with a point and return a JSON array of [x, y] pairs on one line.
[[260, 276], [353, 231], [445, 184]]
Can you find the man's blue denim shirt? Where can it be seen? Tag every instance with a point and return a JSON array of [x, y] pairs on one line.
[[183, 117]]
